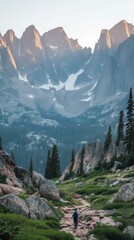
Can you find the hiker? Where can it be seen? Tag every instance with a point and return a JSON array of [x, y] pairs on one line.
[[75, 219]]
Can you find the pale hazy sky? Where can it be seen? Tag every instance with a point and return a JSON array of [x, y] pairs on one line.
[[81, 19]]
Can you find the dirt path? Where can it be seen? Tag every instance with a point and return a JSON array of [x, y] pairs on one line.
[[88, 219]]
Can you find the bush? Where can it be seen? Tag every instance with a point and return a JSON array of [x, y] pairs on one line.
[[58, 235], [7, 231], [29, 229], [91, 189], [109, 233], [118, 205], [129, 175]]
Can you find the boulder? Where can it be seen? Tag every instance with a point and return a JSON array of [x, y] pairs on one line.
[[6, 164], [38, 208], [49, 190], [6, 189], [37, 179], [23, 175], [125, 193], [129, 230], [15, 204]]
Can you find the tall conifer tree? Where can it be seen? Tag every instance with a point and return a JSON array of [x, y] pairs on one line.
[[72, 162], [48, 173], [55, 163], [82, 154], [108, 139], [1, 144], [31, 167], [120, 131], [129, 135]]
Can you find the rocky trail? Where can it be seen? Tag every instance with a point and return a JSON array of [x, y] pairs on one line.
[[88, 218]]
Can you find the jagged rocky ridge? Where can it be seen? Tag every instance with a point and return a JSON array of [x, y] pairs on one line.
[[94, 156], [50, 85]]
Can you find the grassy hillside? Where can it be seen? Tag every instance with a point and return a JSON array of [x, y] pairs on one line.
[[98, 188], [18, 227]]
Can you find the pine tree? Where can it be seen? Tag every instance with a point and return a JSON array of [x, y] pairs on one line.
[[129, 135], [120, 132], [55, 163], [72, 162], [82, 154], [48, 173], [108, 139], [1, 144], [31, 167]]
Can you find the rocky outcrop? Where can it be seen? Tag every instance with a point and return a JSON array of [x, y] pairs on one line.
[[129, 230], [33, 207], [126, 193], [116, 35], [7, 189], [94, 157], [7, 169], [23, 175], [18, 181], [49, 190], [37, 179], [15, 204], [38, 208]]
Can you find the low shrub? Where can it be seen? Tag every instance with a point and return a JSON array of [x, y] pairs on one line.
[[129, 175], [27, 229], [118, 205], [58, 235], [99, 178], [109, 233], [91, 189], [23, 196], [7, 230], [100, 202]]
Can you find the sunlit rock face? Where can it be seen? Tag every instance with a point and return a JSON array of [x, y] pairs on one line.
[[50, 83], [116, 35]]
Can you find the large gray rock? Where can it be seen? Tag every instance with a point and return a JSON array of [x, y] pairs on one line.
[[125, 193], [129, 230], [37, 179], [7, 169], [49, 190], [23, 175], [38, 208], [15, 204], [6, 164]]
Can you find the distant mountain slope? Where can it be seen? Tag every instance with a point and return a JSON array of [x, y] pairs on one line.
[[53, 90]]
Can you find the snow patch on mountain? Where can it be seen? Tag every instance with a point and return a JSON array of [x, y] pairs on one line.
[[23, 78], [68, 85], [89, 94], [30, 96]]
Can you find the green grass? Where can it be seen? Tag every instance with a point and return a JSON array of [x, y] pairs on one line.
[[129, 175], [109, 233], [95, 187], [22, 228]]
